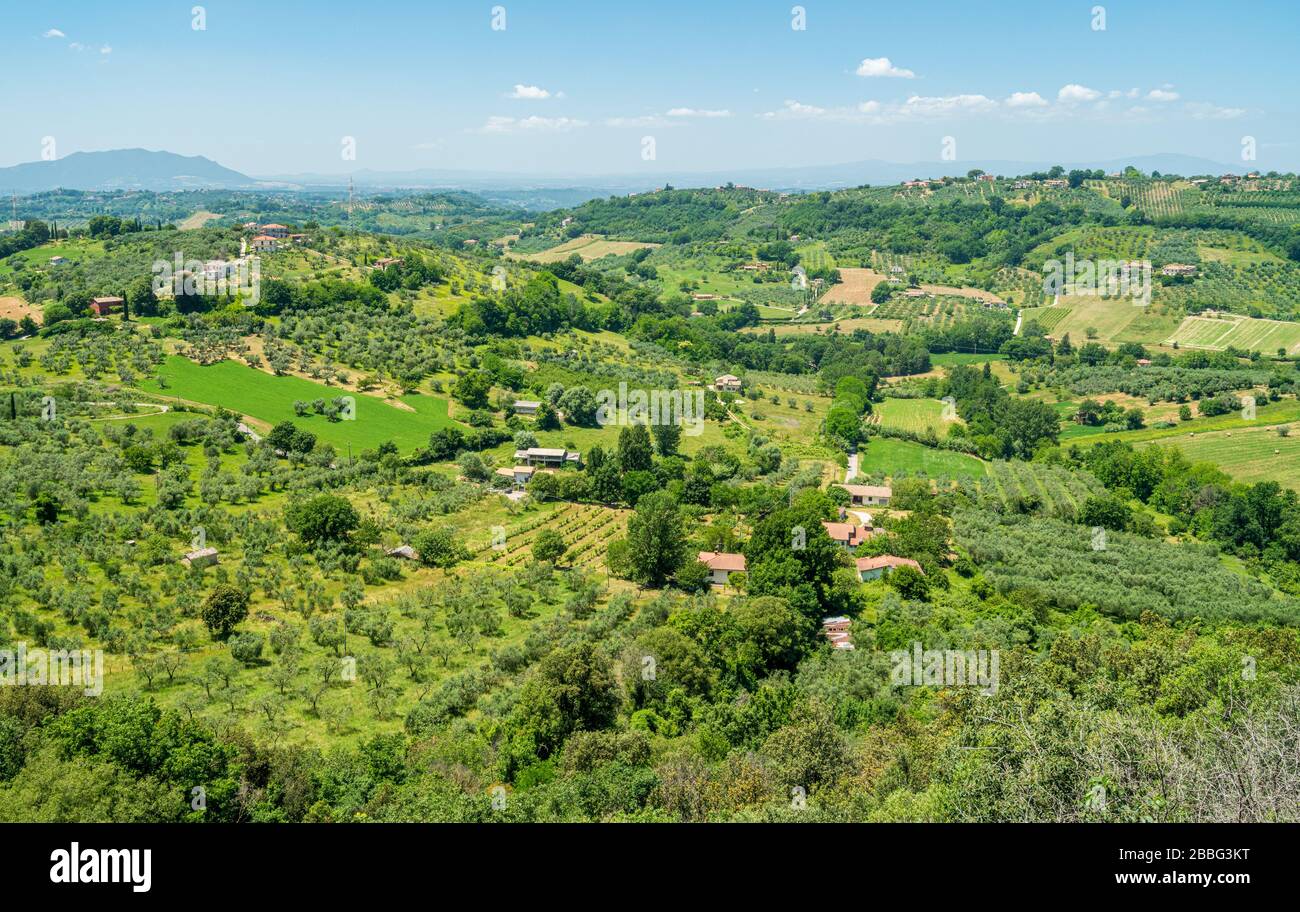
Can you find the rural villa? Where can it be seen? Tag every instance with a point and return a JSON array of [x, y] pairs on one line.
[[873, 568], [727, 383], [102, 307], [836, 630], [869, 495], [721, 565], [545, 456], [847, 534], [520, 475]]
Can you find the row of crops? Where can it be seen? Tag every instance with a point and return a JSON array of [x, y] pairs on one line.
[[1025, 487], [586, 528], [934, 312], [1270, 289]]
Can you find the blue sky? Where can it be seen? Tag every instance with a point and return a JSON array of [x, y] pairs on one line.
[[274, 87]]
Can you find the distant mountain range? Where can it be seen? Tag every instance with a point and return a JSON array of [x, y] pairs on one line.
[[123, 169], [126, 169]]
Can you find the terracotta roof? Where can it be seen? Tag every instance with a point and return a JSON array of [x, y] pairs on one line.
[[722, 560], [887, 560], [869, 490], [846, 532]]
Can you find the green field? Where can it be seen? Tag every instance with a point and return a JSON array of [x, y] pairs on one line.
[[262, 396], [883, 455], [915, 415], [948, 359], [1218, 333], [1249, 455], [1046, 317]]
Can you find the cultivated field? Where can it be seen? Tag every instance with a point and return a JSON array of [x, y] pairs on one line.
[[915, 415], [15, 309], [1248, 455], [856, 285], [1046, 317], [270, 399], [588, 246], [1228, 330], [886, 456], [1114, 320]]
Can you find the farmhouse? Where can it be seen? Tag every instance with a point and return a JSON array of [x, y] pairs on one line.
[[385, 262], [836, 630], [1178, 269], [847, 534], [299, 238], [526, 407], [102, 307], [1056, 182], [917, 183], [721, 565], [756, 267], [869, 495], [520, 475], [916, 293], [203, 557], [57, 260], [727, 383], [873, 568], [265, 242], [275, 231], [545, 456]]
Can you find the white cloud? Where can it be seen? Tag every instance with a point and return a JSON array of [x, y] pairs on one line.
[[1074, 92], [925, 106], [1202, 110], [106, 50], [881, 66], [1162, 95], [869, 107], [794, 110], [77, 46], [697, 112], [1025, 100], [529, 93], [53, 33], [643, 120], [497, 124]]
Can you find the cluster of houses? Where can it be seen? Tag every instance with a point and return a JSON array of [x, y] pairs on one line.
[[271, 235], [721, 564], [1178, 270]]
